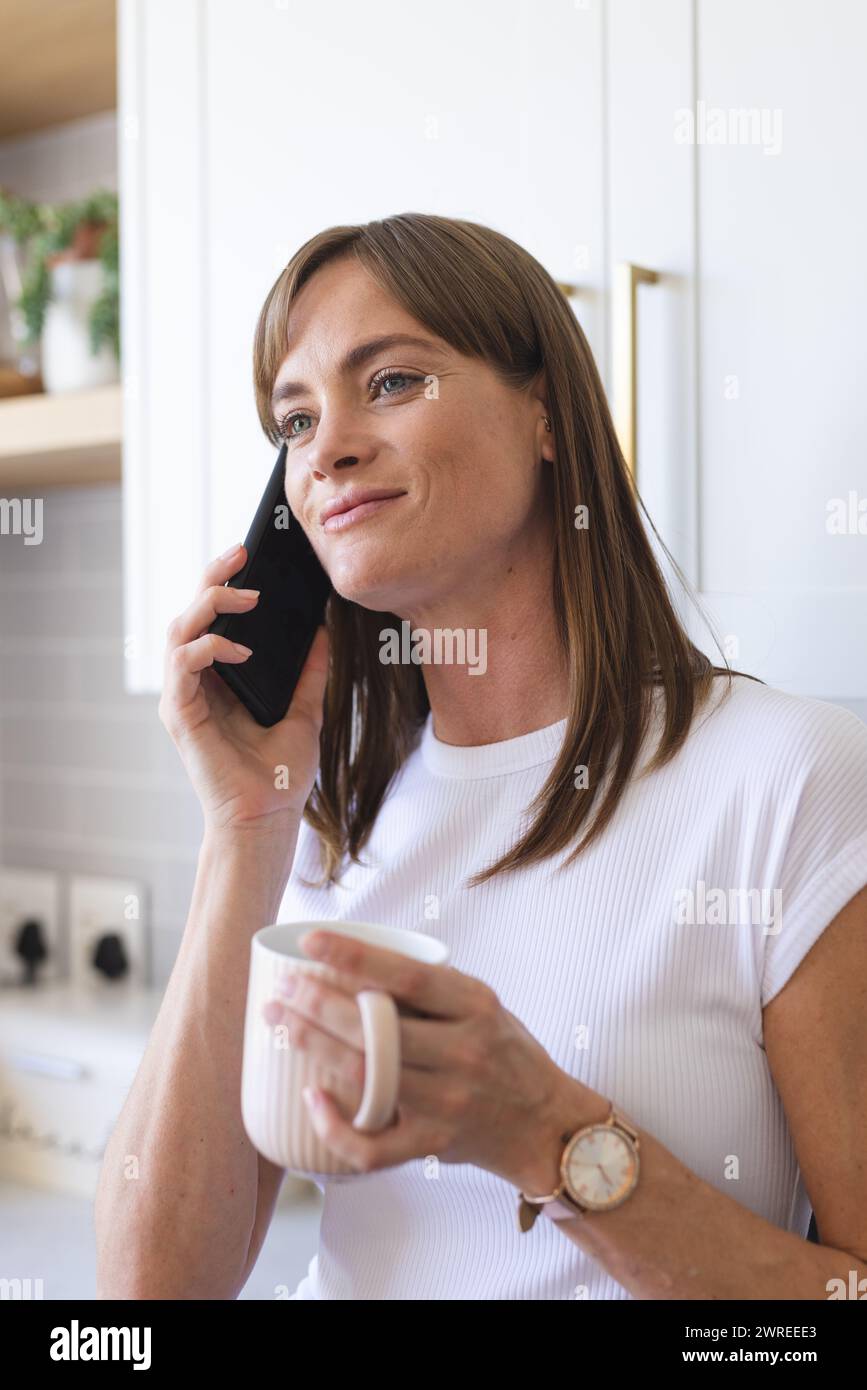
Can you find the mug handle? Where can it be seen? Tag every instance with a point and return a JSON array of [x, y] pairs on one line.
[[380, 1024]]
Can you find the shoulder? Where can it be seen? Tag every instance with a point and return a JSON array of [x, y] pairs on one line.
[[765, 709], [784, 779], [796, 769], [788, 738]]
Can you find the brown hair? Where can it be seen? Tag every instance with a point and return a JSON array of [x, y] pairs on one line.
[[487, 297]]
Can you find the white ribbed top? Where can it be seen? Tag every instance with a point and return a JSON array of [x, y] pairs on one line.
[[663, 1016]]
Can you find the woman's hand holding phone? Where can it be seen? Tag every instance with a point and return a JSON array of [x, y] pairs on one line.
[[233, 762]]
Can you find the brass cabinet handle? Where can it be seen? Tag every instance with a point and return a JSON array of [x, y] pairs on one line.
[[627, 277]]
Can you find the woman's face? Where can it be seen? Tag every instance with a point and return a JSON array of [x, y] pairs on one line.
[[462, 449]]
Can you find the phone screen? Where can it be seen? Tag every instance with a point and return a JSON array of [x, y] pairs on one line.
[[294, 589]]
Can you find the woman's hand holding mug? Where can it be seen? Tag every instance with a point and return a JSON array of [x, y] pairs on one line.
[[234, 763], [471, 1083]]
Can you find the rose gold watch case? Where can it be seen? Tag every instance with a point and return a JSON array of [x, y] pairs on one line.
[[627, 1132]]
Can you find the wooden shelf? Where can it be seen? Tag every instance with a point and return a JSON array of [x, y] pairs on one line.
[[57, 62], [62, 440]]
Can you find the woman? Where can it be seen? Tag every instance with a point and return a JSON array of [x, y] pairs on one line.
[[650, 870]]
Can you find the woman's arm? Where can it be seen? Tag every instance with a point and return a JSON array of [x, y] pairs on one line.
[[184, 1201], [678, 1237]]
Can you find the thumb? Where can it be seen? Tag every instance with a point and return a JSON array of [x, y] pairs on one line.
[[309, 693]]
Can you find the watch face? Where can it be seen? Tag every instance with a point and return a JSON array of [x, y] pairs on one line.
[[600, 1168]]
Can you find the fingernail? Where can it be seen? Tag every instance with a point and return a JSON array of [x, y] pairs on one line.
[[287, 986], [231, 551], [310, 1096], [245, 651], [248, 593]]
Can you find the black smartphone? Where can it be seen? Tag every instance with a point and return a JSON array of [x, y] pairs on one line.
[[294, 590]]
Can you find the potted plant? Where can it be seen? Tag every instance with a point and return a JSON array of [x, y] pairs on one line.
[[69, 298], [19, 355]]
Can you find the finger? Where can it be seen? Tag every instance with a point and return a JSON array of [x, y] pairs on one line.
[[187, 663], [426, 1044], [221, 700], [309, 693], [420, 1091], [222, 568], [402, 1141], [437, 990], [330, 1004], [340, 1058], [201, 612], [323, 1004]]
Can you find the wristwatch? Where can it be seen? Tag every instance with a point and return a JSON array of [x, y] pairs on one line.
[[598, 1167]]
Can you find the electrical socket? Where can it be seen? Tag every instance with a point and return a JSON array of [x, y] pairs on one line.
[[100, 907], [29, 895]]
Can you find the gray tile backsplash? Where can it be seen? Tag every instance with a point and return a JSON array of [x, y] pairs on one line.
[[90, 781]]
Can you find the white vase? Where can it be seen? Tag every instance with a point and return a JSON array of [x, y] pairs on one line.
[[68, 364]]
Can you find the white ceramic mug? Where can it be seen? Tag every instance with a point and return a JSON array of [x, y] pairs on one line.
[[274, 1072]]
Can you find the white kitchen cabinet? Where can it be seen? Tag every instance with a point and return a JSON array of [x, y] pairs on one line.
[[752, 414], [246, 128]]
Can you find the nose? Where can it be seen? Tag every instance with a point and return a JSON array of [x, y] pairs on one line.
[[343, 441], [305, 493], [337, 466]]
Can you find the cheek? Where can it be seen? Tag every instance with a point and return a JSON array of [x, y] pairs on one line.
[[293, 484], [481, 481], [474, 449], [454, 464], [295, 495]]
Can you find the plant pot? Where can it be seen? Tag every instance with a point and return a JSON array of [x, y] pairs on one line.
[[68, 364]]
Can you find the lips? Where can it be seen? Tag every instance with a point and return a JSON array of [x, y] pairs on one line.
[[353, 516], [356, 497]]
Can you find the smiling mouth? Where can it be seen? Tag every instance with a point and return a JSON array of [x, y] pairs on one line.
[[340, 520]]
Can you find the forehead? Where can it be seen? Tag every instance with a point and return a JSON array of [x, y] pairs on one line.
[[340, 302], [339, 320]]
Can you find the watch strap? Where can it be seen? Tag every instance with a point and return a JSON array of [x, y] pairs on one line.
[[560, 1205], [560, 1210]]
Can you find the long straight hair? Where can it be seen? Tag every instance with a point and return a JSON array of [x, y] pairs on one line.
[[487, 297]]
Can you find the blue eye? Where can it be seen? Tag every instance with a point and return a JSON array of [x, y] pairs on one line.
[[284, 426]]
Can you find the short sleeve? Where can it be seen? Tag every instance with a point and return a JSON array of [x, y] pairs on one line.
[[824, 862]]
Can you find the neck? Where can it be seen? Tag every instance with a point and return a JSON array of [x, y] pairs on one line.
[[524, 684]]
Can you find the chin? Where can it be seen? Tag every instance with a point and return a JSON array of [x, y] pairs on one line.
[[376, 586]]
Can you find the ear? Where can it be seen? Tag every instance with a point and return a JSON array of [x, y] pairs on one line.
[[545, 432]]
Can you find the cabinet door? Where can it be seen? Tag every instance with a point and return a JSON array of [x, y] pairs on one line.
[[736, 171], [246, 128]]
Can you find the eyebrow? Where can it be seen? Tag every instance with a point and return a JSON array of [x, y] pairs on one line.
[[356, 357]]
